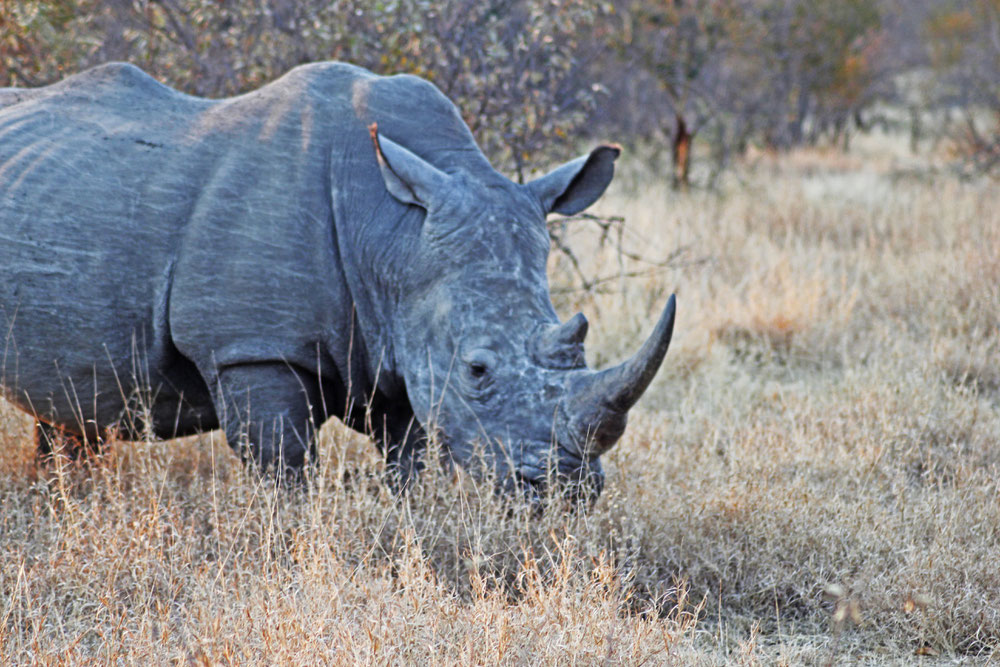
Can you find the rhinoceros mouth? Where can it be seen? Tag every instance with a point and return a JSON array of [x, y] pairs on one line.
[[562, 470]]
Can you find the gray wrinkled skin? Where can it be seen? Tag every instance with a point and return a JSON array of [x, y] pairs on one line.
[[264, 262]]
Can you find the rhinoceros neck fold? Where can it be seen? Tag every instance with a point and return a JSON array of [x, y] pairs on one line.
[[377, 239]]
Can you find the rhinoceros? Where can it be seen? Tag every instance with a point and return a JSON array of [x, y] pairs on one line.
[[332, 244]]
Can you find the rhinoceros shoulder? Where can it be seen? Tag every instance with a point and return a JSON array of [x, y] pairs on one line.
[[408, 109], [366, 93]]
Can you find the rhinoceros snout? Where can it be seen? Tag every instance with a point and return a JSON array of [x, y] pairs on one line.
[[574, 477]]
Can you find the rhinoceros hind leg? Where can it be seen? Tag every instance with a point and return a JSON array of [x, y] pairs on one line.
[[51, 441], [265, 411]]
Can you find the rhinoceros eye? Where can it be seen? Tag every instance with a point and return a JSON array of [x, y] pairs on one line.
[[479, 365]]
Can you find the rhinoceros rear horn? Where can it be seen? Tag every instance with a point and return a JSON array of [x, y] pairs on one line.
[[408, 177], [561, 346], [576, 185]]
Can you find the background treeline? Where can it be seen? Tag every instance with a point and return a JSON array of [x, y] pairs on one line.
[[705, 78]]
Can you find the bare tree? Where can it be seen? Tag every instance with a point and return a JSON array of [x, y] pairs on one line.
[[683, 47]]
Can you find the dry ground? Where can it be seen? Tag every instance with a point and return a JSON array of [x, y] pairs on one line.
[[812, 478]]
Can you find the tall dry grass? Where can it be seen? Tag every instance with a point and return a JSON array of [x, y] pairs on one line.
[[812, 478]]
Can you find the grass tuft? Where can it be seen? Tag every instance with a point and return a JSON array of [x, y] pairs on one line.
[[813, 477]]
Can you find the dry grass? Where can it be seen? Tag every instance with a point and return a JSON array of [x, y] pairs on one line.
[[813, 476]]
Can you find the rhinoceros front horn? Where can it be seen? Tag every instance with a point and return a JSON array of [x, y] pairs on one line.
[[622, 385], [599, 402]]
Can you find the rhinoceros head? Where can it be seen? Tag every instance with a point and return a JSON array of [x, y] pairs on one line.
[[485, 360]]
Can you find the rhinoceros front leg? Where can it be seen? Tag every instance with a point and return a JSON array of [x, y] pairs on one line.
[[265, 410], [397, 434], [403, 442]]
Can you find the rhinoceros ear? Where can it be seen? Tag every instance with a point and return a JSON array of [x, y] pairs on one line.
[[409, 178], [577, 184]]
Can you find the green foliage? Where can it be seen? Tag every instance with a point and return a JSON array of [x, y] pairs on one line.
[[833, 39], [34, 47], [530, 74], [677, 41], [949, 28], [778, 71], [512, 66]]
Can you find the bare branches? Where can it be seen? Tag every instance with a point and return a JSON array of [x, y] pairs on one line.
[[612, 233]]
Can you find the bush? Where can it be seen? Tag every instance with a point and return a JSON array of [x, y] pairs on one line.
[[514, 67]]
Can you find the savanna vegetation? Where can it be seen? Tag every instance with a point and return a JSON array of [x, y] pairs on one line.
[[533, 76], [814, 476]]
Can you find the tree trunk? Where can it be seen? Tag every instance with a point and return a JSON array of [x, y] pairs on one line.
[[681, 151], [916, 129]]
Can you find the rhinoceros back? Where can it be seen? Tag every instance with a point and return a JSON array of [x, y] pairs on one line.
[[89, 216]]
